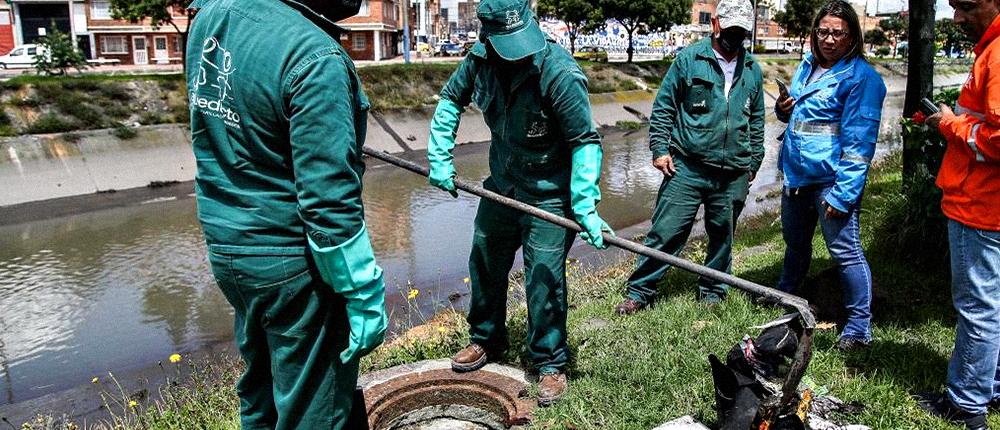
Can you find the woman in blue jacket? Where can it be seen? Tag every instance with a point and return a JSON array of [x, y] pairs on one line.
[[833, 109]]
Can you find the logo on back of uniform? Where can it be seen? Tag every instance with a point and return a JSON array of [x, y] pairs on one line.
[[513, 19], [212, 92]]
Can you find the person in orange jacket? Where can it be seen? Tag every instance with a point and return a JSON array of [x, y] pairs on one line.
[[970, 180]]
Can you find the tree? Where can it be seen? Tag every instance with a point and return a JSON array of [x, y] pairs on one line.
[[951, 36], [896, 27], [876, 38], [645, 15], [797, 19], [158, 12], [920, 68], [57, 52], [579, 16]]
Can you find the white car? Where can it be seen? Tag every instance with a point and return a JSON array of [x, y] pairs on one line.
[[20, 56]]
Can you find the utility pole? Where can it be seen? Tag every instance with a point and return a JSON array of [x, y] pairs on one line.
[[406, 31]]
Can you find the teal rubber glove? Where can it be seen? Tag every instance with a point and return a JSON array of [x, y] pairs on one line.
[[585, 193], [351, 270], [440, 143]]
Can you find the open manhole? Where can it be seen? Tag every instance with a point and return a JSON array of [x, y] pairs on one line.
[[428, 395]]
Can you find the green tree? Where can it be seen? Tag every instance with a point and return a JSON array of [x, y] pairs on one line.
[[797, 19], [895, 27], [645, 15], [951, 36], [57, 52], [580, 16], [158, 12], [876, 38]]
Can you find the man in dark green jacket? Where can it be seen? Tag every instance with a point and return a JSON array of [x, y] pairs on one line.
[[544, 151], [277, 125], [707, 136]]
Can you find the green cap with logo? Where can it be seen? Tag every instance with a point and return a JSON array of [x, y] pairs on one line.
[[510, 27]]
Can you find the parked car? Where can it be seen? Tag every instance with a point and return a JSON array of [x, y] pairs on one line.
[[21, 56], [591, 53], [449, 49], [467, 46]]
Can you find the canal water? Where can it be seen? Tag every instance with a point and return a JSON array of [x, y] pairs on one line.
[[123, 288]]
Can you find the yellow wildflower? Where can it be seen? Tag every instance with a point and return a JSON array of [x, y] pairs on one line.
[[132, 404], [465, 279], [443, 329], [413, 294], [95, 380], [175, 358]]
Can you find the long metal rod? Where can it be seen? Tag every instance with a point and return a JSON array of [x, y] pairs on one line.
[[802, 356]]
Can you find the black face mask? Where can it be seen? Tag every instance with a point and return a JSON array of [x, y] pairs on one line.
[[334, 10], [730, 41]]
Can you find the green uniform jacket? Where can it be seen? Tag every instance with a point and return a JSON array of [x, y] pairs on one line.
[[278, 118], [534, 125], [692, 117]]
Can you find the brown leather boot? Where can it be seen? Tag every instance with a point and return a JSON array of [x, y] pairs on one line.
[[551, 387], [468, 359], [629, 307]]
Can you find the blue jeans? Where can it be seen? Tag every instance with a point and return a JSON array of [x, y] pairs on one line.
[[973, 373], [800, 210]]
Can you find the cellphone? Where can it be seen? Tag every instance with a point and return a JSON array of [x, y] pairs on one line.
[[928, 107], [782, 88]]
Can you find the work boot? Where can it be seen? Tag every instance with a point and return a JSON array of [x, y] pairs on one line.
[[850, 344], [472, 357], [551, 387], [629, 307], [941, 406]]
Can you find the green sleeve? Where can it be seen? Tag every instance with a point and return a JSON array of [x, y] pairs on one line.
[[324, 105], [459, 87], [664, 115], [571, 106], [757, 112]]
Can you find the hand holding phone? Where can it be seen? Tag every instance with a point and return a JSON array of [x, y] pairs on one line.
[[782, 88], [928, 107]]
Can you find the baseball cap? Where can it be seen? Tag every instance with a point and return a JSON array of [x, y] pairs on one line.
[[510, 27], [735, 13]]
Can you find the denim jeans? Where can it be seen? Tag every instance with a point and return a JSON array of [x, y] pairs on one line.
[[973, 373], [800, 210]]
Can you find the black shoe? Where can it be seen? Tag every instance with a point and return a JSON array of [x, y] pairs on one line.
[[942, 407], [849, 344]]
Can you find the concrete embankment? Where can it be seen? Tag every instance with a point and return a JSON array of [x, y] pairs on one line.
[[52, 166]]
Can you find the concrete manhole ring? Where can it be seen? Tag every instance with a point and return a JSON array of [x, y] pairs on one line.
[[428, 395]]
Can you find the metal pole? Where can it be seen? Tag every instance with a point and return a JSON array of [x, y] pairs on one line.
[[802, 356], [406, 31]]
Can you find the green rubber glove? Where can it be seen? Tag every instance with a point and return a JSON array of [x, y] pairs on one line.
[[351, 270], [440, 143], [585, 193]]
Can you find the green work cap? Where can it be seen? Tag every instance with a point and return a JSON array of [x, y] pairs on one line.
[[510, 27]]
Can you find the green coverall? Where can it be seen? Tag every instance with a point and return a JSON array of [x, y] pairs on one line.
[[277, 126], [539, 116], [716, 145]]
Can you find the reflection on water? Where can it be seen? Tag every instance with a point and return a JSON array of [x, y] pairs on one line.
[[127, 287]]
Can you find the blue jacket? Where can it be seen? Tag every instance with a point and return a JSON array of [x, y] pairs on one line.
[[832, 129]]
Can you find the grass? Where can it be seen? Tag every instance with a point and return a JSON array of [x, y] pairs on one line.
[[639, 371]]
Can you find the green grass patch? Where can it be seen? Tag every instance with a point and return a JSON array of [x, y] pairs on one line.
[[51, 123], [22, 80]]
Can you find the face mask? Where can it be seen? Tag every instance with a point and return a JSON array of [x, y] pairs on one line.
[[334, 10], [730, 41]]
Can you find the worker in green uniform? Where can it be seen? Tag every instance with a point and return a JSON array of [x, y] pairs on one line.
[[277, 125], [706, 133], [545, 152]]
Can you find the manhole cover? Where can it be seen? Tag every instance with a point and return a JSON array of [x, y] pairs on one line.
[[428, 395]]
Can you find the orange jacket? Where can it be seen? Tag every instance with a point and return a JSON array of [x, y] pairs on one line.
[[970, 172]]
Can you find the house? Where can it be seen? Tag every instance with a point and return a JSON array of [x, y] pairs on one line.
[[133, 43], [375, 32], [6, 29]]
